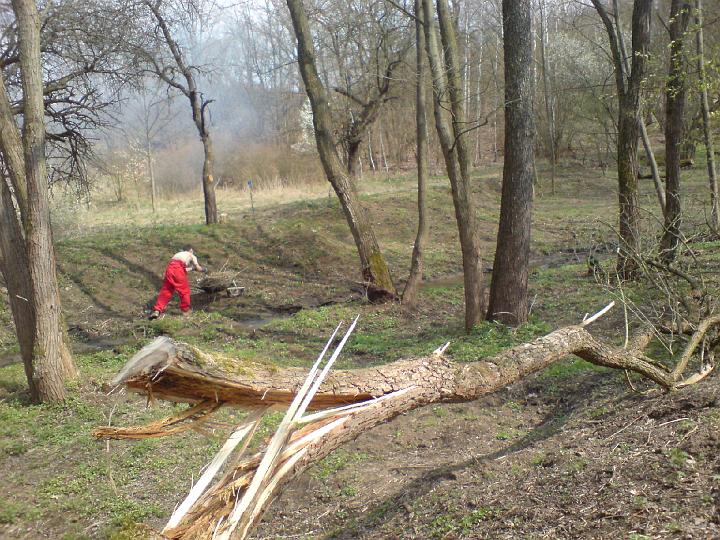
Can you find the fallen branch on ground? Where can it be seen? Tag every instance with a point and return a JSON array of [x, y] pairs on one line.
[[357, 400]]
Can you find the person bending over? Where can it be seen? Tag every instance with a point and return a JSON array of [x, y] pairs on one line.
[[176, 280]]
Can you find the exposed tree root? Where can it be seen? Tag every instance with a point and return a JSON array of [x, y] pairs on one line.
[[359, 400]]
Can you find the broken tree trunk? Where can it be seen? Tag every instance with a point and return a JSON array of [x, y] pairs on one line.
[[359, 400]]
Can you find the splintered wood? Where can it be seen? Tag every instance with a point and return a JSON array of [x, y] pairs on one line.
[[344, 404]]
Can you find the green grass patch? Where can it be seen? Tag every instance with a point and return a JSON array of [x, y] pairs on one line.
[[337, 461]]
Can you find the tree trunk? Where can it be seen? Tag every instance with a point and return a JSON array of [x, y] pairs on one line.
[[409, 295], [52, 362], [675, 89], [169, 370], [549, 113], [508, 292], [353, 159], [17, 280], [627, 166], [464, 212], [211, 212], [628, 81], [496, 98], [151, 173], [659, 189], [448, 38], [707, 131], [374, 268]]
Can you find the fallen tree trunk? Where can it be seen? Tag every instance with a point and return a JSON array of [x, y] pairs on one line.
[[362, 399]]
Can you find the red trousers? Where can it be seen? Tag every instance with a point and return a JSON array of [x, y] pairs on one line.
[[175, 280]]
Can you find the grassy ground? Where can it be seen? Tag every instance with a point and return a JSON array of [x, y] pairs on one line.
[[427, 474]]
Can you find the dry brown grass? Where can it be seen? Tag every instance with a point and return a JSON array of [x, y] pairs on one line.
[[73, 218]]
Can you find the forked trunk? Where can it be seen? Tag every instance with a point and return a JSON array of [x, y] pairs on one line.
[[52, 363], [464, 212], [373, 265]]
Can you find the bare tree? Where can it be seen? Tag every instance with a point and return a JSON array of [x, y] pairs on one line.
[[179, 74], [409, 295], [452, 137], [375, 270], [508, 293], [705, 108], [365, 44], [150, 119], [675, 90], [629, 88], [36, 298], [48, 85], [350, 403]]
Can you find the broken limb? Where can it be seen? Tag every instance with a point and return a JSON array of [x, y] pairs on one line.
[[359, 400]]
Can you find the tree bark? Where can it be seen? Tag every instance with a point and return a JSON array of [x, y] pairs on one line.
[[211, 211], [52, 362], [374, 267], [628, 82], [17, 280], [707, 131], [675, 89], [409, 296], [151, 173], [549, 110], [508, 292], [170, 370], [462, 199], [659, 189]]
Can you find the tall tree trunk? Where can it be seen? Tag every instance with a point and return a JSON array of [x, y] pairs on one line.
[[478, 102], [374, 268], [151, 173], [549, 112], [707, 131], [675, 89], [626, 69], [464, 212], [627, 166], [448, 38], [52, 362], [211, 212], [17, 280], [409, 295], [508, 292], [496, 99], [628, 80]]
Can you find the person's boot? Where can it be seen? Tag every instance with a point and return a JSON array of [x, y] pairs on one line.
[[154, 315], [187, 313]]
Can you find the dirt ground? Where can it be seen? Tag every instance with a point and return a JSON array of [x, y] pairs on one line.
[[553, 457], [573, 452]]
